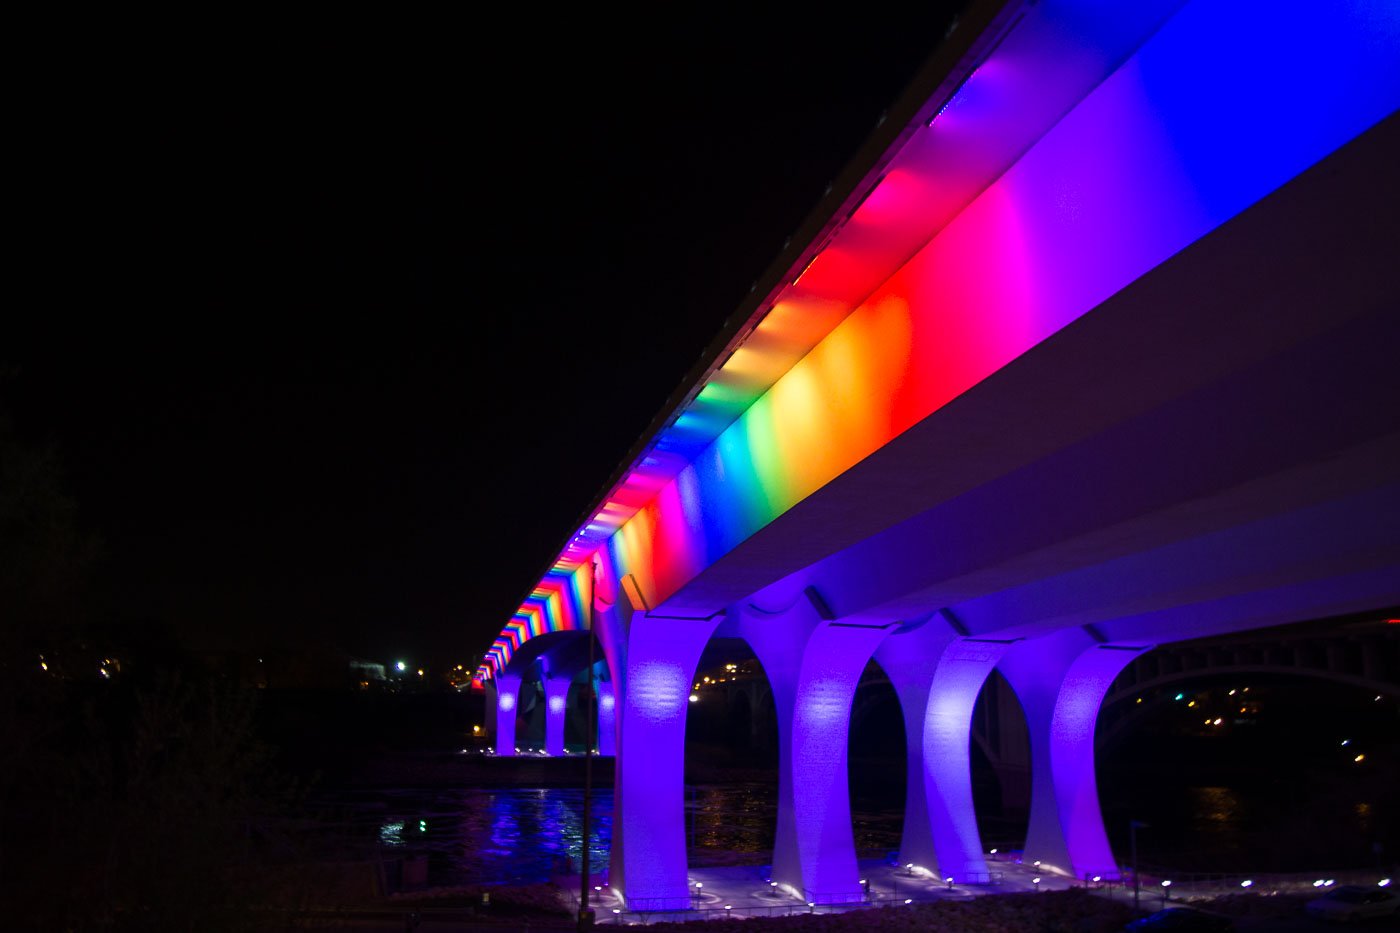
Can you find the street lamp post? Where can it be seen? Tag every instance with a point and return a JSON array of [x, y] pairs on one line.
[[1133, 827], [585, 913]]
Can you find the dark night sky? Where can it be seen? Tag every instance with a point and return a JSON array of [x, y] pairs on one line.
[[338, 327]]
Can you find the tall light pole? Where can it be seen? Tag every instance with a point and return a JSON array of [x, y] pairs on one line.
[[1133, 827], [585, 913]]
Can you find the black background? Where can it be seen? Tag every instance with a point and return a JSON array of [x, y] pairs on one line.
[[337, 326]]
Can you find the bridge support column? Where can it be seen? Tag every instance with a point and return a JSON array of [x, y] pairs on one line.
[[940, 824], [650, 787], [556, 707], [507, 699], [607, 718], [1061, 680], [813, 665]]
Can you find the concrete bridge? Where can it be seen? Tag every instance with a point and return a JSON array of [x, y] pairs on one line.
[[1091, 349]]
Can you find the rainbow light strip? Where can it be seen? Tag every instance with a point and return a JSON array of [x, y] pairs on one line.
[[1208, 116]]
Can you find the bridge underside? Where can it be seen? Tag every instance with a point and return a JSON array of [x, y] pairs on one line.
[[1224, 426]]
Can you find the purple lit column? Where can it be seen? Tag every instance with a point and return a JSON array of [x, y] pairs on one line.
[[831, 666], [813, 666], [607, 719], [940, 824], [650, 790], [507, 698], [556, 698], [1061, 680]]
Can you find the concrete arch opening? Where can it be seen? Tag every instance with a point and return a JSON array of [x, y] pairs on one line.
[[731, 757]]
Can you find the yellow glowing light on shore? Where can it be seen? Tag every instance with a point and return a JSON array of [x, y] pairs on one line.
[[1358, 758]]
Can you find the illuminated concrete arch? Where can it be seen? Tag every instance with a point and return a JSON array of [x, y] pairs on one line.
[[1061, 681], [1086, 349], [813, 662]]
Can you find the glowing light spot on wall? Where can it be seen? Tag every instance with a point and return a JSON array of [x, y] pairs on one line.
[[659, 688], [506, 702]]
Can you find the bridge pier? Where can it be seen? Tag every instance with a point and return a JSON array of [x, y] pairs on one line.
[[1061, 680], [607, 718], [940, 824], [650, 869], [556, 706], [507, 699], [813, 664]]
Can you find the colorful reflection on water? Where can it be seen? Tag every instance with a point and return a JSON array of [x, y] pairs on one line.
[[522, 835], [470, 835]]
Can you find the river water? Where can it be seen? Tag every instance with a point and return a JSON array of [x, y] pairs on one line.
[[520, 835]]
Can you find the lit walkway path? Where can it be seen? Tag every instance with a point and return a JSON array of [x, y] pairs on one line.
[[745, 891]]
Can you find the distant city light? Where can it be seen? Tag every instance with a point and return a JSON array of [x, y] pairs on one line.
[[1167, 883], [401, 665], [1246, 883], [1384, 883], [1192, 703], [1233, 692], [420, 672], [1346, 741], [1180, 696], [695, 698], [1359, 758]]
